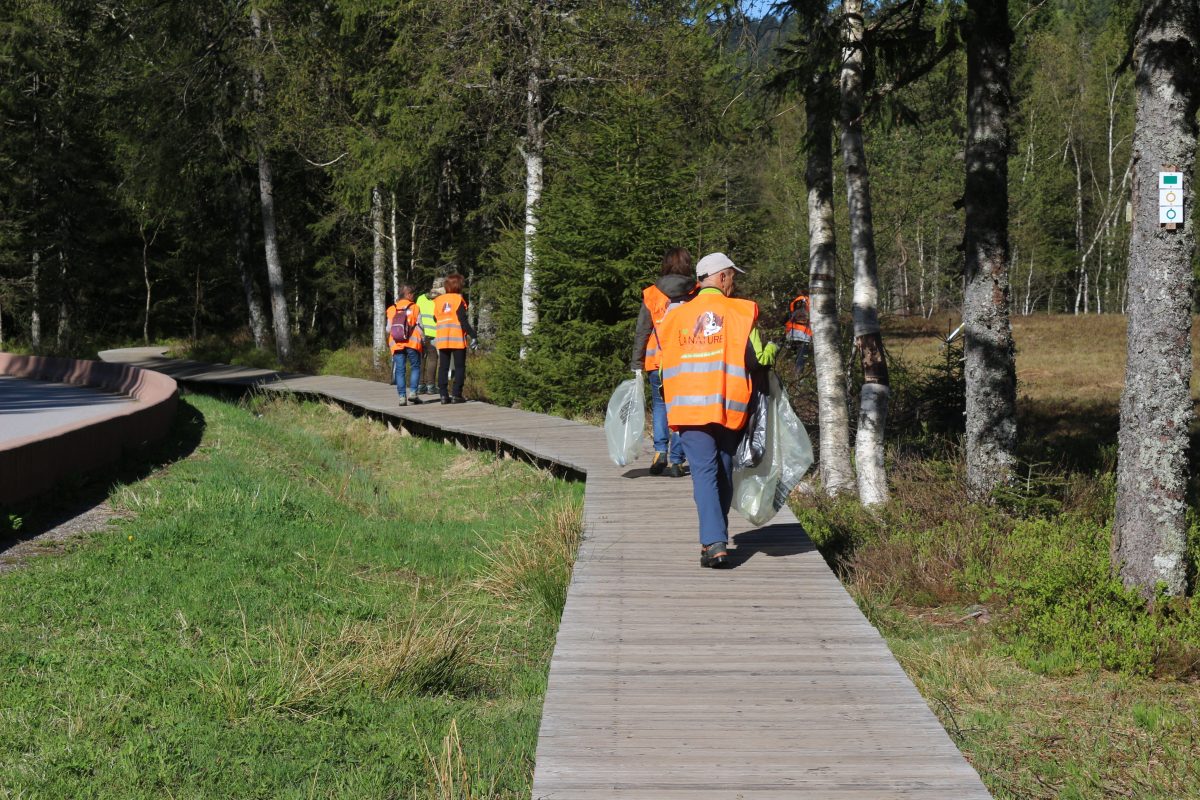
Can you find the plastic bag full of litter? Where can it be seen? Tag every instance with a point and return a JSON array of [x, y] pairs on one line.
[[760, 491]]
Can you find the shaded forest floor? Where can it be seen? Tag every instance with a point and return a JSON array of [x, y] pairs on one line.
[[1053, 680]]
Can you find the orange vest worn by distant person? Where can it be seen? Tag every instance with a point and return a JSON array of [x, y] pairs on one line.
[[657, 304], [414, 340], [450, 335], [704, 374], [798, 326]]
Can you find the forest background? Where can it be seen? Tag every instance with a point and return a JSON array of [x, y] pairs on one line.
[[396, 140]]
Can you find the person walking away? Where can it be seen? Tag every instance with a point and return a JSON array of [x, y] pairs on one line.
[[454, 333], [710, 346], [798, 329], [429, 355], [405, 337], [676, 284]]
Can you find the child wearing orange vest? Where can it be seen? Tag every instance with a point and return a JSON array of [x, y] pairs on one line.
[[710, 345], [676, 284]]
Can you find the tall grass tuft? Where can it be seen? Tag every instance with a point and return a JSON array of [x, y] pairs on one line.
[[449, 775], [535, 569], [287, 669]]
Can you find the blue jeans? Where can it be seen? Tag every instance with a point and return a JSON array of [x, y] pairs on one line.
[[709, 450], [658, 416], [412, 358]]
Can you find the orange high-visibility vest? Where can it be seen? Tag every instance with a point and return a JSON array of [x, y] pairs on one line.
[[657, 304], [704, 374], [450, 335], [414, 339], [799, 322]]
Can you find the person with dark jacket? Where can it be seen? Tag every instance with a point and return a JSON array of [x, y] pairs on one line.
[[454, 335], [676, 284]]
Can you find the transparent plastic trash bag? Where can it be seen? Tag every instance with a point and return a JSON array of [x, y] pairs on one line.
[[625, 421], [760, 491]]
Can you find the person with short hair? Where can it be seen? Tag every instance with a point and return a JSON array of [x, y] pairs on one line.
[[454, 335], [710, 346], [676, 284], [406, 353]]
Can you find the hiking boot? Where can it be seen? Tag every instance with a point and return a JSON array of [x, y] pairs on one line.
[[715, 556], [458, 399], [658, 464], [403, 401], [416, 401], [445, 399], [675, 470]]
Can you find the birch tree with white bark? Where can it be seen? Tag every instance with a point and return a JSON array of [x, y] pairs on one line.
[[868, 340]]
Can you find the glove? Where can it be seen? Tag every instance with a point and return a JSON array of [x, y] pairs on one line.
[[767, 357], [474, 345]]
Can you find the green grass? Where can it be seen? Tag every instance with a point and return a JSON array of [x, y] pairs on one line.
[[1088, 734], [308, 605]]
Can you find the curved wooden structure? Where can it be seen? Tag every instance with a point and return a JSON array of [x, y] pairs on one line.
[[670, 682], [32, 464]]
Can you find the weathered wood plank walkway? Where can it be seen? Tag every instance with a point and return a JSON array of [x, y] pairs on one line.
[[670, 682]]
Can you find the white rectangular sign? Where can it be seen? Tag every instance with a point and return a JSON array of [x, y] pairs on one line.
[[1170, 198]]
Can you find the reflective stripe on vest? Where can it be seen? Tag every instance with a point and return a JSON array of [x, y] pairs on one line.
[[732, 370], [702, 401], [705, 378], [450, 335], [657, 304]]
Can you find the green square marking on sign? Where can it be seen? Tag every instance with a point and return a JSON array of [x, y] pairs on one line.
[[1170, 180]]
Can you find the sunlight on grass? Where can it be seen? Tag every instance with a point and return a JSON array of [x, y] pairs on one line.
[[294, 610]]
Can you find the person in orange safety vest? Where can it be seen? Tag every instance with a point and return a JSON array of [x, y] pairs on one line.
[[798, 328], [676, 284], [406, 353], [710, 345], [453, 330]]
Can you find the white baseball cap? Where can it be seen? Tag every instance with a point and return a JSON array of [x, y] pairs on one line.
[[714, 263]]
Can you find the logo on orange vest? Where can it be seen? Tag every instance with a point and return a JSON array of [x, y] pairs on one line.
[[446, 308], [706, 331], [708, 324]]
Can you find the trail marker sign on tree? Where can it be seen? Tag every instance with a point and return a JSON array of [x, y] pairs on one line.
[[1170, 199]]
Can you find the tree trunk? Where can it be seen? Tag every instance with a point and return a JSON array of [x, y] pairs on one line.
[[872, 415], [1149, 539], [254, 309], [395, 254], [64, 318], [412, 248], [378, 290], [837, 473], [146, 280], [534, 147], [266, 194], [990, 370], [35, 314]]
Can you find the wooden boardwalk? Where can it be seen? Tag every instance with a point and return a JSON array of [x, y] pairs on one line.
[[671, 682]]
